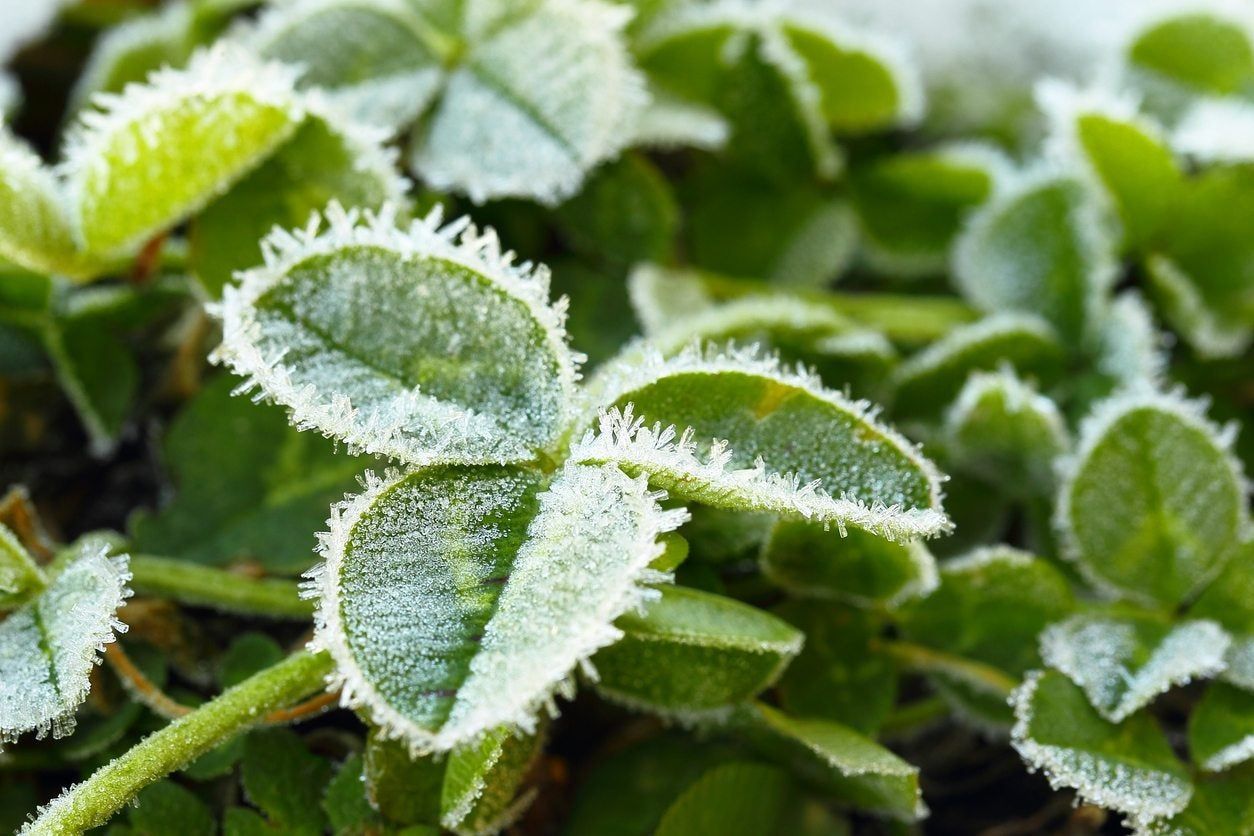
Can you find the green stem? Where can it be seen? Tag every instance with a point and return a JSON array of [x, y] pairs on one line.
[[92, 803], [907, 718], [204, 586], [920, 659]]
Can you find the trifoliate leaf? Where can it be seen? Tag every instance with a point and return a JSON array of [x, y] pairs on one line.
[[49, 646], [836, 761], [283, 779], [1124, 661], [1001, 429], [912, 205], [35, 227], [738, 799], [20, 576], [1200, 51], [541, 96], [149, 157], [1222, 803], [1127, 767], [1039, 248], [827, 458], [690, 654], [328, 158], [1221, 727], [839, 675], [989, 608], [1151, 502], [1124, 151], [927, 381], [856, 567], [247, 486], [456, 600], [482, 781], [377, 59], [467, 362]]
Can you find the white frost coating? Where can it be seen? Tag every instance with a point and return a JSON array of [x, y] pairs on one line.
[[1018, 396], [1217, 131], [1097, 780], [966, 338], [585, 562], [1130, 349], [749, 313], [661, 296], [1231, 755], [1098, 654], [1190, 313], [332, 412], [170, 26], [49, 646], [671, 460], [1240, 663], [641, 364], [670, 122], [535, 105], [1093, 430], [367, 143]]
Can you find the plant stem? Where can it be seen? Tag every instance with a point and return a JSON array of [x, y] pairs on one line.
[[204, 586], [922, 659], [907, 718], [91, 803]]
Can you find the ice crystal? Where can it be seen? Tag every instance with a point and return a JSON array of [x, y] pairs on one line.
[[1217, 131]]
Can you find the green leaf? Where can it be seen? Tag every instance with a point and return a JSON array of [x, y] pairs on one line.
[[457, 600], [345, 803], [624, 213], [247, 486], [826, 457], [424, 379], [378, 60], [1124, 661], [836, 761], [854, 566], [1126, 151], [1200, 51], [1152, 500], [150, 157], [691, 654], [127, 53], [166, 807], [734, 799], [482, 782], [911, 205], [839, 675], [49, 647], [35, 227], [328, 158], [1127, 767], [283, 779], [1001, 429], [1039, 248], [248, 653], [1222, 803], [405, 789], [926, 382], [543, 93], [20, 576], [1229, 599], [1221, 727]]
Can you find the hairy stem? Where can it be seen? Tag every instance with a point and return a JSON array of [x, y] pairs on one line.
[[203, 586], [91, 803]]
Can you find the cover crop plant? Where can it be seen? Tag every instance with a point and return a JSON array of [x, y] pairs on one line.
[[901, 488]]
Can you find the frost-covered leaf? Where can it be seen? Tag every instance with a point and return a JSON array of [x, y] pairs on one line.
[[840, 674], [912, 205], [456, 600], [836, 761], [149, 157], [826, 457], [625, 213], [1221, 727], [989, 607], [1152, 501], [1229, 600], [49, 646], [328, 159], [467, 361], [540, 97], [1222, 803], [482, 780], [127, 53], [20, 576], [1124, 661], [1041, 247], [1007, 433], [380, 60], [1217, 131], [926, 382], [247, 486], [35, 227], [1129, 350], [1126, 153], [1203, 276], [691, 653], [856, 567], [1201, 51], [1127, 767], [739, 798], [668, 121]]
